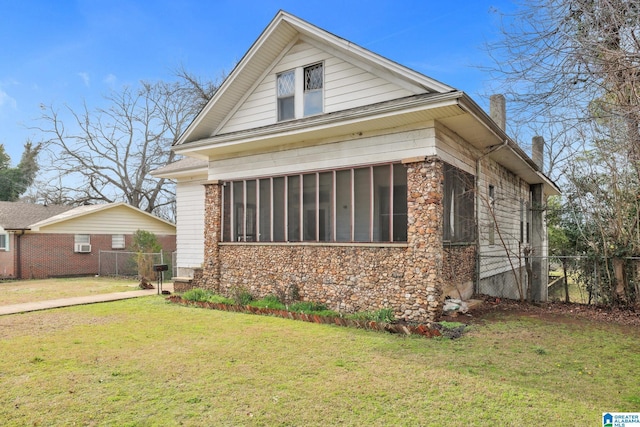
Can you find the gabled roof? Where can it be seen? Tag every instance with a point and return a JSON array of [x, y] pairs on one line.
[[20, 216], [87, 210], [284, 30], [430, 100]]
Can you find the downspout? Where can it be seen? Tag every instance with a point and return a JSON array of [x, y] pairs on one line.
[[491, 149], [18, 255]]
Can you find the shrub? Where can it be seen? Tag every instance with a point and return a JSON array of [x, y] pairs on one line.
[[384, 315], [197, 294], [270, 301], [307, 307], [219, 299], [241, 296]]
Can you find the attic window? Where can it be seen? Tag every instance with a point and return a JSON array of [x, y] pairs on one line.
[[299, 92], [286, 95], [313, 82]]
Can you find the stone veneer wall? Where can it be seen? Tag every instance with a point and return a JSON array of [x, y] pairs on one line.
[[358, 277], [459, 271]]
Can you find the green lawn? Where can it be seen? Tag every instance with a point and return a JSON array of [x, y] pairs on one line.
[[145, 362], [17, 292]]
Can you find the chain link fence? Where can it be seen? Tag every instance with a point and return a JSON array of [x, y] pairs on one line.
[[132, 264], [576, 279]]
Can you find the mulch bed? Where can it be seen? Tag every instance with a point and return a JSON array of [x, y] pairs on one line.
[[428, 331]]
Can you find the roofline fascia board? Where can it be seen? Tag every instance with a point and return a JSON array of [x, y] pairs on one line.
[[46, 223], [375, 69], [322, 121], [305, 27], [255, 84], [470, 106], [185, 173], [235, 72]]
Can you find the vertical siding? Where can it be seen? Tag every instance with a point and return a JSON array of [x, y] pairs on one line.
[[190, 215], [346, 86]]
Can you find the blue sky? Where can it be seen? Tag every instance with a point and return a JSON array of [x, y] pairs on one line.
[[69, 52]]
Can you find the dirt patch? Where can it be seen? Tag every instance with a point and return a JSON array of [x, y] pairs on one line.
[[552, 311]]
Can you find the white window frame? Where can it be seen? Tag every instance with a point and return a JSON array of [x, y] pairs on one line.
[[4, 242], [308, 95], [116, 240], [300, 95], [285, 96], [82, 242]]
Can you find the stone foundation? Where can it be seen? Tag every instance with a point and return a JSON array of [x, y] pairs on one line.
[[356, 277]]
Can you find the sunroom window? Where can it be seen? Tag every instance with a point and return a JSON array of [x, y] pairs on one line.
[[367, 204], [458, 201]]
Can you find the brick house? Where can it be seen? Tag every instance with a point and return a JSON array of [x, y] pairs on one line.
[[38, 241], [323, 166]]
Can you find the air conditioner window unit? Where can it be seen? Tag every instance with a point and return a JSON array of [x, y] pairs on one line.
[[83, 247]]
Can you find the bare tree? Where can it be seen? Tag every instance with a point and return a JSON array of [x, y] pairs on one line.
[[571, 70], [557, 57], [106, 154]]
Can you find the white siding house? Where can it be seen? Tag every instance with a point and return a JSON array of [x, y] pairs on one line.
[[359, 181]]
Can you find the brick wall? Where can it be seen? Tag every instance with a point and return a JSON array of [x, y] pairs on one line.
[[7, 261], [52, 255], [358, 277]]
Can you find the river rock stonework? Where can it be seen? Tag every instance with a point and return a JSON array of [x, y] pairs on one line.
[[406, 277]]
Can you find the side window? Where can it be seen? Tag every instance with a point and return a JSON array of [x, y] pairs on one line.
[[117, 241], [459, 207], [313, 84], [82, 243], [4, 242], [286, 83]]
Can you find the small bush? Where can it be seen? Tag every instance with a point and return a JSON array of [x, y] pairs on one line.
[[326, 313], [384, 315], [241, 296], [219, 299], [307, 307], [270, 301], [197, 294]]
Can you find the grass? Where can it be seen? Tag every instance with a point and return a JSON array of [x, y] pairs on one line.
[[145, 362], [17, 292]]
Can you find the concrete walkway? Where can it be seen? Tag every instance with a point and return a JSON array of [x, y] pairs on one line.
[[66, 302]]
